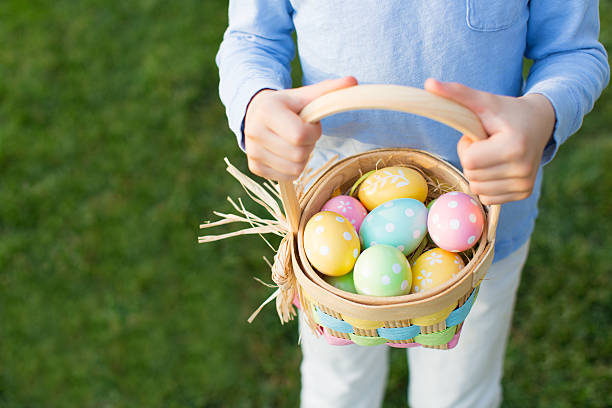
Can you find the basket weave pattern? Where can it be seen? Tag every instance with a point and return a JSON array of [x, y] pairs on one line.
[[345, 318]]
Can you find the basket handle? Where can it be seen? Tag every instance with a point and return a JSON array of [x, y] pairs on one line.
[[384, 97]]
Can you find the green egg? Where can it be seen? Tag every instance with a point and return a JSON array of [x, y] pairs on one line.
[[344, 282], [430, 204], [382, 270]]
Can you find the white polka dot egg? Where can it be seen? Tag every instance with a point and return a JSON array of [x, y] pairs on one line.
[[391, 183], [455, 221], [349, 207], [400, 223], [331, 243], [434, 267], [382, 270]]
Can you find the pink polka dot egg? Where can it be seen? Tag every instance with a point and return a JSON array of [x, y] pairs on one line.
[[455, 221], [349, 207]]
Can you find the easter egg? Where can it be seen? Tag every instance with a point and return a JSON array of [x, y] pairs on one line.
[[431, 269], [349, 207], [401, 223], [331, 243], [434, 267], [390, 183], [455, 221], [382, 270], [344, 282]]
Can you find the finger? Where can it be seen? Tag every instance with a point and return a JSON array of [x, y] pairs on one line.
[[498, 172], [267, 172], [280, 165], [306, 94], [477, 101], [280, 147], [290, 127], [494, 151], [502, 198], [463, 144], [500, 187]]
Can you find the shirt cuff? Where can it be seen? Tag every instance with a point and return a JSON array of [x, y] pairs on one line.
[[567, 118], [236, 112]]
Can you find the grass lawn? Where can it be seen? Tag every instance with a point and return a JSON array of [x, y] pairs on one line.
[[111, 145]]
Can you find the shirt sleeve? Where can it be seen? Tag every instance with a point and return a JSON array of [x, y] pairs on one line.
[[570, 65], [255, 54]]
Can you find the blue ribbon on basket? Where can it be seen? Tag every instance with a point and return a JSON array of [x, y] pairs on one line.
[[396, 333]]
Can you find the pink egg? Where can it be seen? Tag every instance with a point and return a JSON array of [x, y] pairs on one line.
[[455, 221], [349, 207]]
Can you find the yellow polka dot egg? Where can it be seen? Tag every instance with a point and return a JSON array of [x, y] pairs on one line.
[[331, 243], [434, 267], [431, 269]]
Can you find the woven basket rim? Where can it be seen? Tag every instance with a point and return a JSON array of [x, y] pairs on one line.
[[463, 279]]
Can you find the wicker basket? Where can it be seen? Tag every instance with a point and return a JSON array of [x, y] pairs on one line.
[[346, 318], [342, 317]]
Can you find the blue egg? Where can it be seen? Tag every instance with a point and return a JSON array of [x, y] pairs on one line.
[[401, 223]]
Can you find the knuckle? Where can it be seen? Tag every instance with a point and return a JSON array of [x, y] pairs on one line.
[[523, 169], [300, 136], [472, 175], [517, 150], [476, 188], [526, 186], [486, 200], [301, 155], [257, 168], [252, 152], [468, 162], [254, 167]]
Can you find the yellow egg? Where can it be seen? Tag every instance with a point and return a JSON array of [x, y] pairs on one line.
[[331, 243], [433, 268], [390, 183]]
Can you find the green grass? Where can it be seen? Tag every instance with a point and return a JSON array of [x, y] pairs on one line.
[[111, 146]]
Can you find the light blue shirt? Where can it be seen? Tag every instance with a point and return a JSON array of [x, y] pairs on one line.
[[480, 43]]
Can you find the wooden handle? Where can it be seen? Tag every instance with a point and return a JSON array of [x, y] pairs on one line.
[[385, 97], [291, 204], [396, 98]]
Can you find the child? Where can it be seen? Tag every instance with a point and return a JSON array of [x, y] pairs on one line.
[[477, 43]]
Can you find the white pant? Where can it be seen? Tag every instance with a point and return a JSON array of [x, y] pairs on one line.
[[467, 376]]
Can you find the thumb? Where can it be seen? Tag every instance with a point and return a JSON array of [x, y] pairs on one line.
[[302, 96], [478, 102], [462, 146]]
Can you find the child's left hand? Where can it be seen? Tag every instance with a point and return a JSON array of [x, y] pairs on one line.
[[502, 168]]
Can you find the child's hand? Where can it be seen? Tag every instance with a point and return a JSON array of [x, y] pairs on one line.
[[278, 142], [503, 167]]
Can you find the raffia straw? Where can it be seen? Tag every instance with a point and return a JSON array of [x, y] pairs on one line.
[[282, 275], [268, 196], [256, 192], [253, 230]]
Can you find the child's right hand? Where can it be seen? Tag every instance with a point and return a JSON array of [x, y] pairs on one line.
[[278, 142]]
